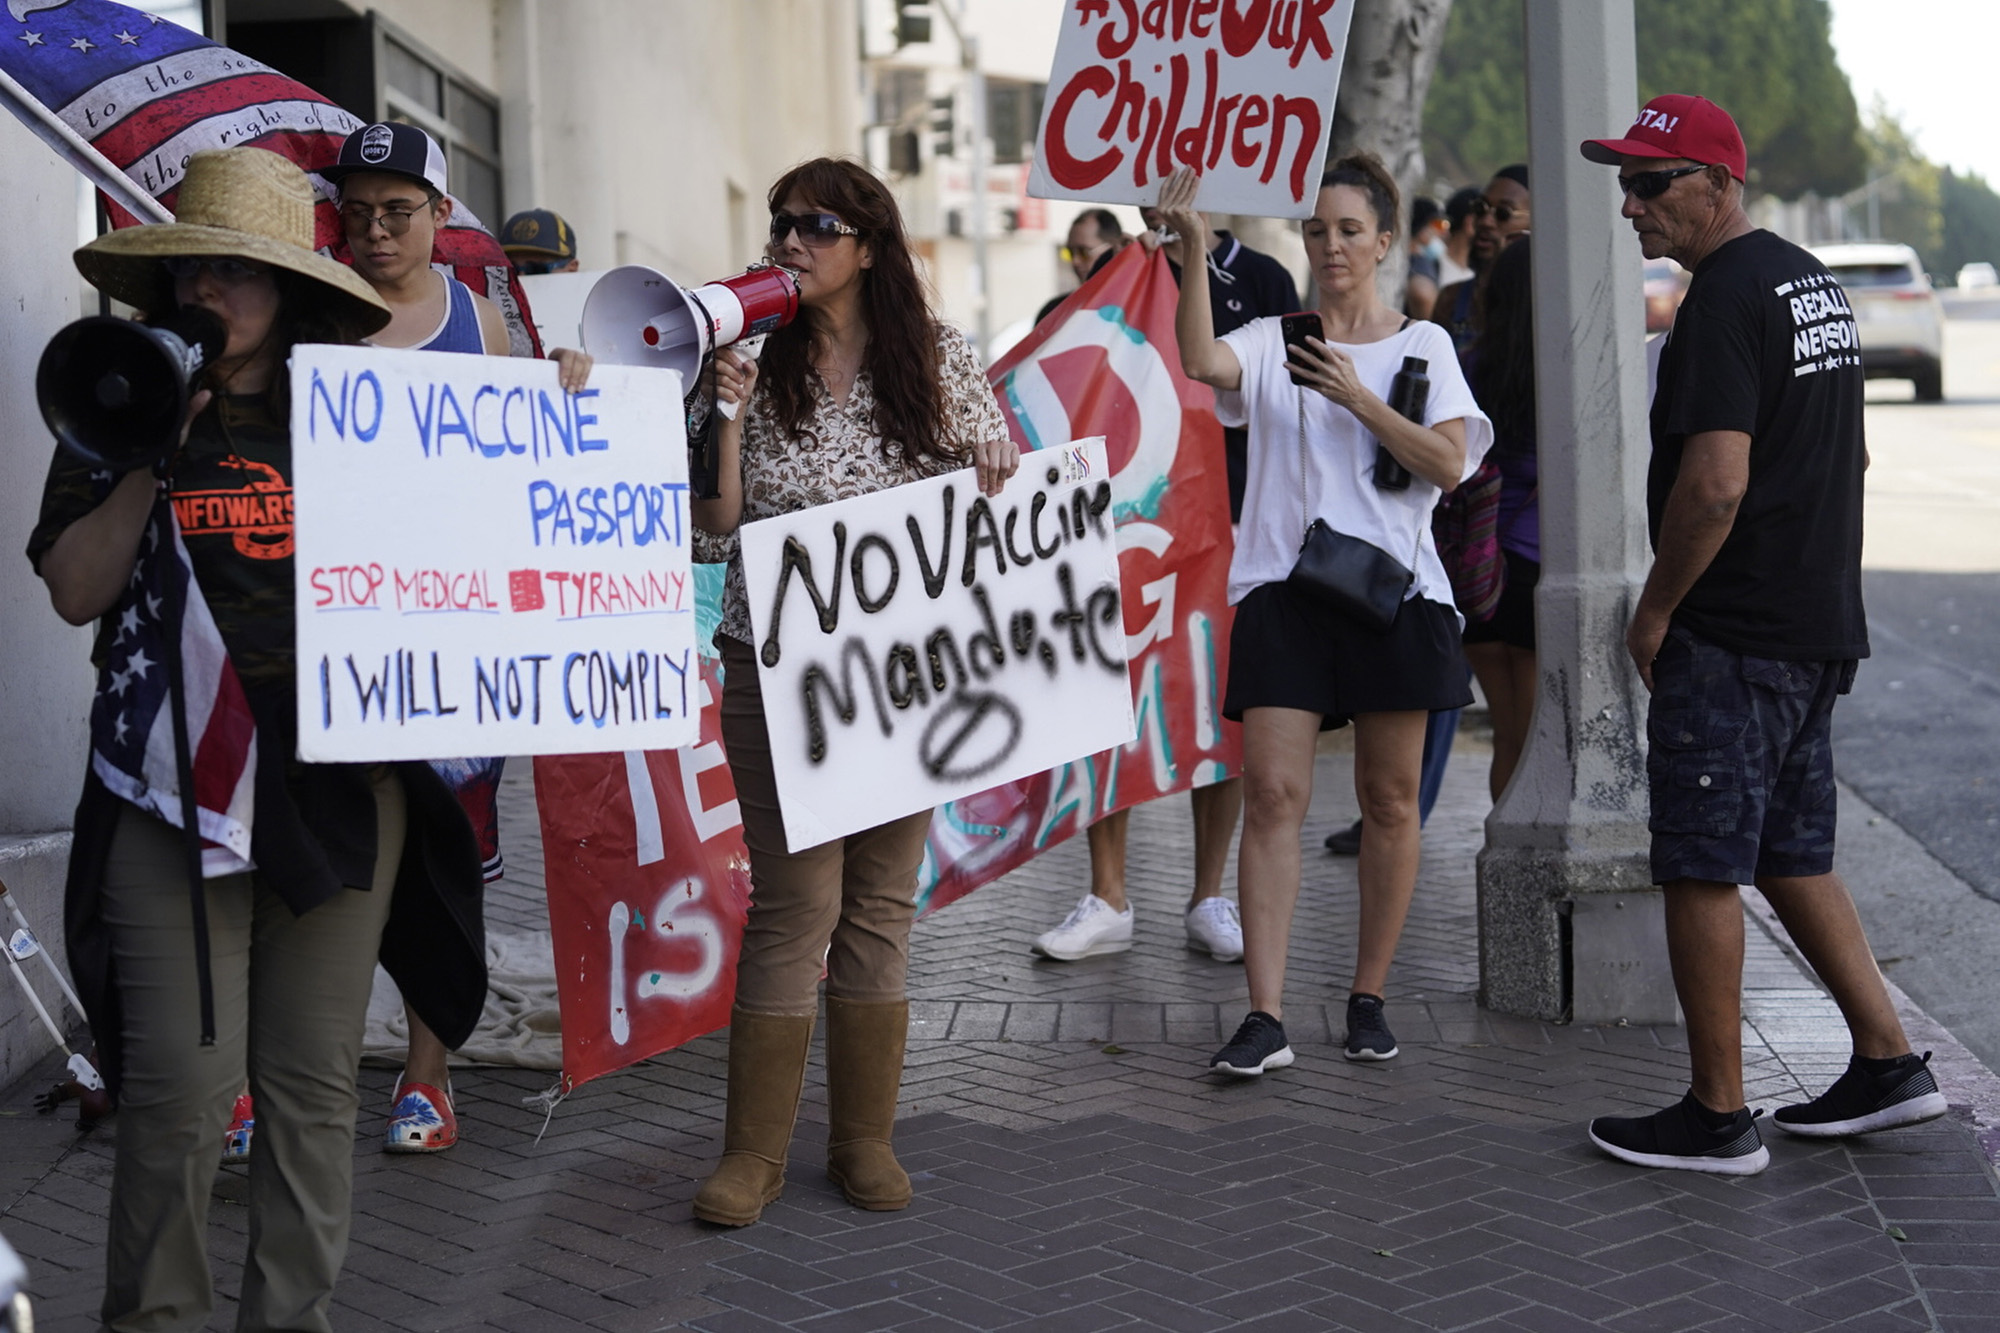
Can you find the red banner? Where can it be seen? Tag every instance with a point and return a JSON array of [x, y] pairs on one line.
[[648, 879]]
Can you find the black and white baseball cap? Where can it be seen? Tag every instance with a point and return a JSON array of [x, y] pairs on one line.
[[392, 146]]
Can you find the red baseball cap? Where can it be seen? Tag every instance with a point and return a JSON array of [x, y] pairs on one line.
[[1676, 125]]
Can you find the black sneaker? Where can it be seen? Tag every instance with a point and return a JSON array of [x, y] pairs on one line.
[[1368, 1035], [1861, 1103], [1346, 841], [1676, 1138], [1257, 1046]]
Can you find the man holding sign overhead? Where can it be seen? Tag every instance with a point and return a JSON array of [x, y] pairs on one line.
[[866, 391]]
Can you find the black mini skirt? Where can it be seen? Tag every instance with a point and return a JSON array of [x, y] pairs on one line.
[[1289, 650]]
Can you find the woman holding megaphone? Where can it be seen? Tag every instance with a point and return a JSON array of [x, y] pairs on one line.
[[255, 952], [867, 391]]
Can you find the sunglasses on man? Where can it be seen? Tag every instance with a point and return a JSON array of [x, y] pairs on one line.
[[1653, 184], [1502, 213], [818, 230]]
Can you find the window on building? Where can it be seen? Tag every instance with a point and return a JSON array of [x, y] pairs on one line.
[[421, 89], [379, 72]]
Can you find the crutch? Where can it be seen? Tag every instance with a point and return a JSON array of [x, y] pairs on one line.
[[21, 946]]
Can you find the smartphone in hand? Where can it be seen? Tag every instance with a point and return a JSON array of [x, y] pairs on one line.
[[1296, 328]]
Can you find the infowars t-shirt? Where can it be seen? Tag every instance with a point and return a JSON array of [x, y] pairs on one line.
[[232, 492], [1765, 344]]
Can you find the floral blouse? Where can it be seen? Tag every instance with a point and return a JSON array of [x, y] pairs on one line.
[[839, 455]]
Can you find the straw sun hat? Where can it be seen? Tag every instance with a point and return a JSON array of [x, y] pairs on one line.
[[240, 203]]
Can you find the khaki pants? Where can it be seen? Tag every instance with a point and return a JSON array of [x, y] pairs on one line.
[[291, 997], [856, 894]]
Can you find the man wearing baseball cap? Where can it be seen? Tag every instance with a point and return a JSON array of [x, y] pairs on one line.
[[539, 241], [1749, 627]]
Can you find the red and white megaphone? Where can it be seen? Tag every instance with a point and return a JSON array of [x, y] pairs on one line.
[[638, 316]]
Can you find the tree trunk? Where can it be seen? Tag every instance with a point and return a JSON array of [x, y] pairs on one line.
[[1392, 50]]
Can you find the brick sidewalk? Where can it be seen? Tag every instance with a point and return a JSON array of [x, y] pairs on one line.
[[1076, 1169]]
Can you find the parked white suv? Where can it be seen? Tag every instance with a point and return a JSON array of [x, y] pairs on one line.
[[1900, 319]]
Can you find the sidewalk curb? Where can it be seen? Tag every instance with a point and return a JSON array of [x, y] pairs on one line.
[[1972, 1089]]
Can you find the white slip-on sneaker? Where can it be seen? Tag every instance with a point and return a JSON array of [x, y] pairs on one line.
[[1091, 928], [1213, 924]]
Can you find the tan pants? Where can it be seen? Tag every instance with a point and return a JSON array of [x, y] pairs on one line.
[[856, 894], [291, 997]]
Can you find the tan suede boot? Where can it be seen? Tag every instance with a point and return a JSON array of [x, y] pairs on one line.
[[767, 1067], [864, 1072]]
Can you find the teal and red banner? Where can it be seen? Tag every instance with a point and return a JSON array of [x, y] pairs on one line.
[[648, 878]]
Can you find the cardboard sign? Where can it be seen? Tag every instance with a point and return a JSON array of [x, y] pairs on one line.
[[925, 642], [487, 565], [1240, 90]]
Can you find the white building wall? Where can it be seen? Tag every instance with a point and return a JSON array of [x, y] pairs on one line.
[[45, 676]]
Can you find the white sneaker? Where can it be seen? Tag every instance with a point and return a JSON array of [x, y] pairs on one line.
[[1212, 924], [1090, 929]]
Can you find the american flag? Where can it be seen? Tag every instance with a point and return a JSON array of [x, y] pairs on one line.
[[126, 97], [131, 721]]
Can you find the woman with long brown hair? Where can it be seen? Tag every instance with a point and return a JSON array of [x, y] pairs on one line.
[[866, 390]]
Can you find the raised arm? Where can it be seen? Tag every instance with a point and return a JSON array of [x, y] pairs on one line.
[[735, 378], [1204, 357]]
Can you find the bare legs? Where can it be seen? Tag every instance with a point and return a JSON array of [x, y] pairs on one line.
[[1216, 809], [426, 1060], [1278, 747], [1507, 677], [1705, 944]]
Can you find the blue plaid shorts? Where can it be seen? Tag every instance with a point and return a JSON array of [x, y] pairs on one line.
[[1741, 763]]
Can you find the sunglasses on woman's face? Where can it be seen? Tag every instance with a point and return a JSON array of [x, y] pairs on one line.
[[1653, 184], [817, 230]]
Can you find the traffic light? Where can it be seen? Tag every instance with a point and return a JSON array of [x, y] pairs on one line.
[[944, 126], [913, 22]]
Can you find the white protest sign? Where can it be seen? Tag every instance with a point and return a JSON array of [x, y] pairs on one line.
[[926, 642], [487, 565], [1240, 90]]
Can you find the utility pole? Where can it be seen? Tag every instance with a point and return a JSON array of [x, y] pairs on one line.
[[1570, 924], [975, 93]]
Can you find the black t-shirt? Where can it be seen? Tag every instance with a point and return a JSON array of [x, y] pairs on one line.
[[1765, 344], [232, 492]]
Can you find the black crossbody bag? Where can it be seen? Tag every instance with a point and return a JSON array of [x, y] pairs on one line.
[[1356, 578]]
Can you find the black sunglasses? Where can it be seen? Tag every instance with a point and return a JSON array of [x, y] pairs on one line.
[[1502, 213], [817, 230], [1653, 184]]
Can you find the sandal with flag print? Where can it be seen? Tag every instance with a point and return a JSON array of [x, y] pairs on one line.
[[422, 1119]]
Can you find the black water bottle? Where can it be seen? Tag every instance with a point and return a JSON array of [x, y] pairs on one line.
[[1409, 394]]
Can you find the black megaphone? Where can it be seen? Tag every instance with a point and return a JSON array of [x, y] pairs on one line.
[[116, 391]]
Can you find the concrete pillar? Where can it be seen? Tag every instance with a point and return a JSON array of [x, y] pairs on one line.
[[1570, 925]]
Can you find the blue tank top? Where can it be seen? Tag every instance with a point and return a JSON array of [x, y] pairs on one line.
[[460, 331]]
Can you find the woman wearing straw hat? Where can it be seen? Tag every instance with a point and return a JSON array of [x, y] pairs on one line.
[[280, 989]]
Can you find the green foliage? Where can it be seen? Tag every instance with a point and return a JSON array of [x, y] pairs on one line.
[[1911, 194], [1971, 224], [1769, 62]]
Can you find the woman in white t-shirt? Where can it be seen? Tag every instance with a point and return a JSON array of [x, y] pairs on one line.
[[1297, 666]]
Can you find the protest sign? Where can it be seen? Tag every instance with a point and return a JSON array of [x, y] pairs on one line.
[[647, 872], [486, 564], [926, 641], [1240, 90]]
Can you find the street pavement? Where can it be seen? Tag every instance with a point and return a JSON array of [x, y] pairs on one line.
[[1077, 1169], [1918, 735]]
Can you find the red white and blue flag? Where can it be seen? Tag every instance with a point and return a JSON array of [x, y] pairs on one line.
[[132, 720], [128, 97]]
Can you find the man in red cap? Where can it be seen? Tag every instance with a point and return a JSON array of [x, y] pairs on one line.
[[1749, 627]]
